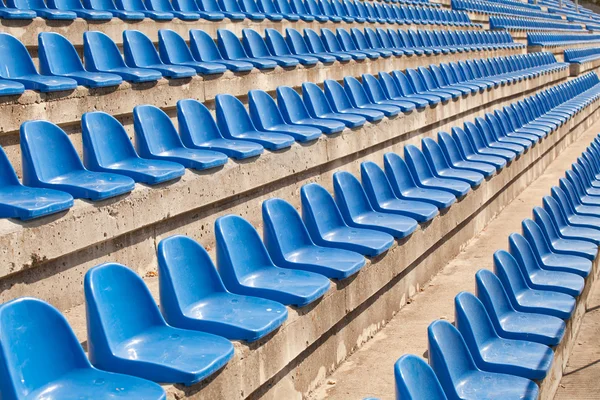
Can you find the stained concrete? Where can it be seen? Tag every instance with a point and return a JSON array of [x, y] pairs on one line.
[[369, 371], [584, 67]]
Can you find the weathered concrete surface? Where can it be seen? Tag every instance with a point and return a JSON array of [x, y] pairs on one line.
[[578, 69], [580, 379], [369, 371], [558, 51], [54, 245], [296, 358]]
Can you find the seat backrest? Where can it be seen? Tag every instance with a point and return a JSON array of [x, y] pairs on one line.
[[229, 5], [28, 4], [521, 250], [46, 152], [154, 130], [276, 42], [131, 5], [290, 104], [172, 48], [336, 95], [283, 229], [449, 147], [474, 324], [159, 5], [398, 173], [8, 176], [416, 380], [536, 238], [350, 195], [373, 88], [263, 110], [508, 271], [37, 347], [232, 117], [100, 52], [375, 182], [491, 293], [254, 44], [57, 55], [389, 85], [240, 251], [19, 63], [139, 49], [356, 92], [229, 45], [203, 47], [296, 42], [417, 163], [319, 211], [186, 274], [119, 307], [196, 123], [433, 153], [100, 4], [315, 100], [345, 39], [105, 140], [186, 5], [329, 40]]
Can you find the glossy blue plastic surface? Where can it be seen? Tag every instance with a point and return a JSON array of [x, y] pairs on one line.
[[37, 365], [256, 47], [455, 368], [512, 324], [19, 67], [174, 50], [441, 168], [198, 130], [128, 334], [290, 245], [566, 228], [40, 8], [204, 49], [109, 6], [247, 269], [340, 103], [522, 297], [107, 148], [455, 158], [58, 57], [101, 54], [78, 8], [279, 47], [192, 295], [536, 276], [493, 353], [235, 123], [50, 161], [18, 201], [327, 228], [294, 112], [318, 106], [415, 380], [138, 6], [157, 138], [468, 152], [231, 48]]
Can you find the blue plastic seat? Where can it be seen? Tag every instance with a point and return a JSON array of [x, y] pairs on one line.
[[455, 158], [576, 213], [290, 245], [550, 260], [20, 69], [231, 48], [235, 123], [15, 13], [61, 169], [512, 324], [193, 296], [442, 169], [525, 299], [493, 353], [481, 147], [359, 98], [107, 148], [35, 365], [109, 6], [173, 50], [138, 6], [377, 95], [198, 130], [140, 53], [327, 228], [468, 152], [328, 44], [212, 8], [58, 57], [455, 368], [128, 334], [268, 7], [247, 269], [340, 103], [357, 211], [279, 47], [294, 112], [318, 106], [76, 7], [392, 91], [536, 276], [250, 7], [204, 49], [191, 6], [266, 117], [40, 8], [101, 54], [18, 201], [157, 138], [415, 380], [382, 198], [256, 47], [166, 7]]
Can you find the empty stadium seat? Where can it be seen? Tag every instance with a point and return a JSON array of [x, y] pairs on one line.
[[193, 296], [327, 228], [231, 48], [247, 269], [62, 168], [78, 8], [513, 324], [191, 6], [18, 201], [568, 229], [157, 138], [58, 57], [204, 49], [127, 333], [44, 338], [290, 245], [173, 50], [441, 168], [416, 380], [41, 9], [167, 7], [456, 159], [109, 6], [318, 106], [455, 368], [256, 47], [279, 47], [493, 353], [340, 103], [198, 130], [107, 148], [16, 13], [138, 6], [469, 153]]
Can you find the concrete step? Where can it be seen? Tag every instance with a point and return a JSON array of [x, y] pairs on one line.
[[369, 371]]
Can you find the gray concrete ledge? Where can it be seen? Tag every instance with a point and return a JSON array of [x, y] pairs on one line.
[[315, 340], [53, 245], [578, 69], [558, 51]]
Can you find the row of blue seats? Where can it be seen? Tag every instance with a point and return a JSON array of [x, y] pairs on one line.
[[203, 143], [504, 336], [62, 69], [516, 3], [217, 10], [127, 332], [489, 7], [582, 55], [525, 24], [549, 39], [414, 2]]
